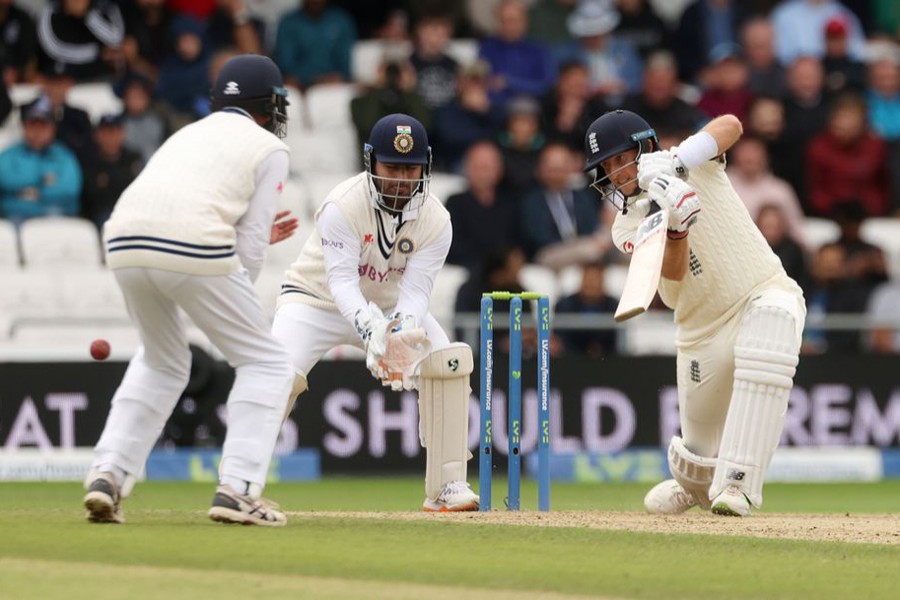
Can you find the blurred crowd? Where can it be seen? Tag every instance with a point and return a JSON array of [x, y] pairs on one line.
[[816, 84]]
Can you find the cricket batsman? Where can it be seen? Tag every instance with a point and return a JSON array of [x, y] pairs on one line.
[[739, 317], [365, 278]]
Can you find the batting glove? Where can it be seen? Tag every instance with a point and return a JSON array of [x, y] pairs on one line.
[[656, 164], [679, 198]]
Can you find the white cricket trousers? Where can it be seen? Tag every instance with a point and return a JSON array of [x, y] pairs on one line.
[[227, 310], [309, 333]]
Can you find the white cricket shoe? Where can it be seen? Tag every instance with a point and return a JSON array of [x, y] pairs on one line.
[[455, 496], [231, 507], [668, 498], [103, 500], [732, 502]]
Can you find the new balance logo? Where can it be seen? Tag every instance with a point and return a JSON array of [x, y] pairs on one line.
[[735, 475]]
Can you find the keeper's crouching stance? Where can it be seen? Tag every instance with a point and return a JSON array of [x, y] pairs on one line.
[[739, 317], [380, 240]]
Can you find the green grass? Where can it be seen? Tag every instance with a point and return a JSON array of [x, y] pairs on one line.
[[168, 549]]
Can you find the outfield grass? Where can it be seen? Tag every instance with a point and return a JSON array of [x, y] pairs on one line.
[[168, 549]]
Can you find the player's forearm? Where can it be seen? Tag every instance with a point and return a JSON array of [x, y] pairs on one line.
[[726, 130], [675, 260]]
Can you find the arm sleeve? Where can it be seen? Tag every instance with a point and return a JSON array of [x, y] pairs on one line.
[[254, 229], [418, 278], [341, 249]]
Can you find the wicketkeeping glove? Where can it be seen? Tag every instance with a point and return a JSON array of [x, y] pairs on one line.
[[655, 164], [371, 326], [679, 198]]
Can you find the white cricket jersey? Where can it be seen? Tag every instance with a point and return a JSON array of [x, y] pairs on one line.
[[729, 260], [360, 253], [183, 211]]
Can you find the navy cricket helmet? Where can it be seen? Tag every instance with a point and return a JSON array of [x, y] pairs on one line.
[[610, 134], [253, 83], [398, 139]]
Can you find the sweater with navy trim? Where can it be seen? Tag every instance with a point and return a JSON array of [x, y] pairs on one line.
[[180, 213]]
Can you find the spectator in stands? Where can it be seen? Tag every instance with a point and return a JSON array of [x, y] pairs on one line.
[[748, 170], [775, 227], [520, 141], [73, 125], [519, 65], [470, 117], [314, 44], [766, 73], [591, 299], [484, 217], [832, 292], [231, 26], [847, 160], [642, 27], [184, 74], [435, 69], [887, 17], [145, 126], [559, 225], [147, 42], [39, 176], [658, 100], [883, 99], [726, 80], [805, 114], [394, 91], [884, 305], [842, 72], [865, 262], [570, 107], [614, 65], [18, 43], [547, 24], [501, 270], [799, 25], [705, 24], [109, 172], [82, 38], [197, 9]]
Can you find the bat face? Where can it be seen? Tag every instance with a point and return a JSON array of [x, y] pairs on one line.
[[646, 266]]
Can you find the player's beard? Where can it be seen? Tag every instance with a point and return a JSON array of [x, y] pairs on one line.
[[395, 193]]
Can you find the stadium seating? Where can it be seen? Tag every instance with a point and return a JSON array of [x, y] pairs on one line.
[[650, 333], [60, 242], [818, 231], [443, 295], [90, 293], [444, 185], [368, 55], [328, 105], [9, 246], [535, 278], [26, 295], [96, 99], [884, 232]]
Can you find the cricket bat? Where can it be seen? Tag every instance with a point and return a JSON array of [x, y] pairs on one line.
[[646, 264]]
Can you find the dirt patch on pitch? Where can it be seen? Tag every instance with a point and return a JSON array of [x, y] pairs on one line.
[[864, 529]]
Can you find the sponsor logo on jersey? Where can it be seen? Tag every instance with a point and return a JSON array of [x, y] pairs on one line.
[[231, 89], [368, 239], [405, 246], [280, 187], [370, 272]]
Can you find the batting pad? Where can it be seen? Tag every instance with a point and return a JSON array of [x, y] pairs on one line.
[[444, 412], [765, 357], [693, 472]]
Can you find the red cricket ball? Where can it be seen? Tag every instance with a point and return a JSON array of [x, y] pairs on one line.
[[100, 349]]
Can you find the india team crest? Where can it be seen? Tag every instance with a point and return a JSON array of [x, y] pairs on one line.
[[403, 141], [405, 246]]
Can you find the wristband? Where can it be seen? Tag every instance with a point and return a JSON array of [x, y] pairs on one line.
[[697, 149]]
